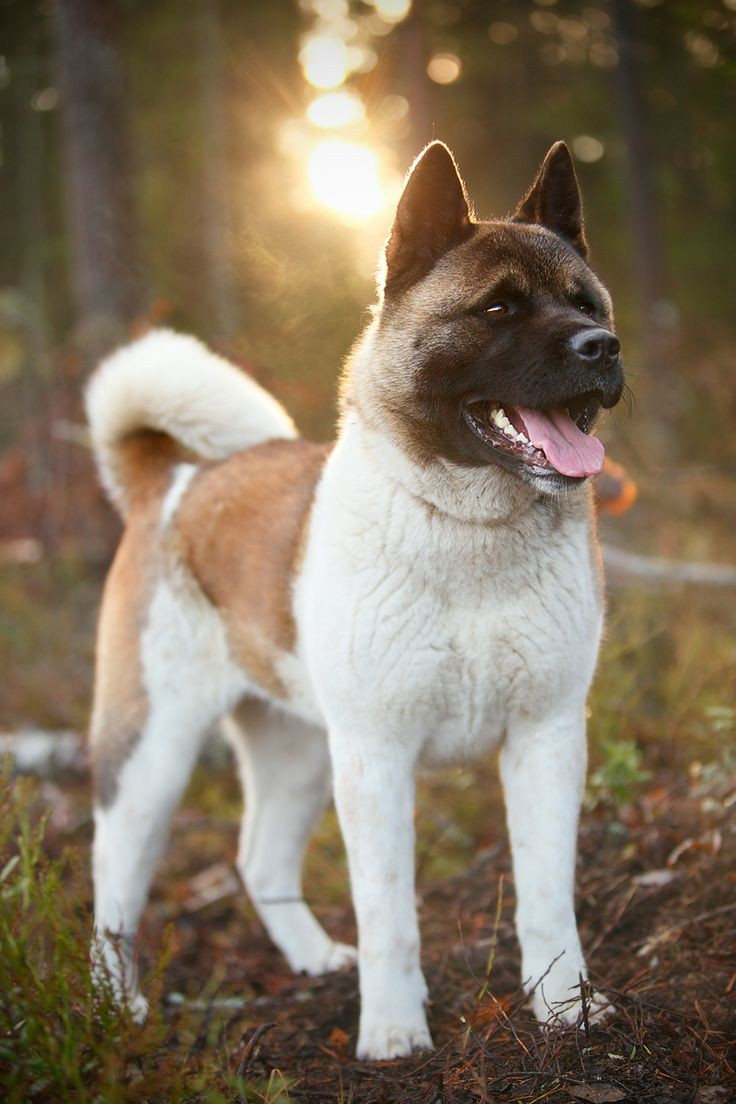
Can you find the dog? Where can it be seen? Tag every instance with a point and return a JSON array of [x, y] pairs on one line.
[[427, 589]]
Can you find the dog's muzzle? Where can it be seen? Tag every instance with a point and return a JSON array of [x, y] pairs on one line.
[[597, 351]]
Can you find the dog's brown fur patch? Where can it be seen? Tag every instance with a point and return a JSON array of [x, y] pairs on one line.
[[240, 530], [120, 701], [144, 462]]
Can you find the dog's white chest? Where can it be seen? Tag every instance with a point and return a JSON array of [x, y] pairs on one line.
[[440, 630]]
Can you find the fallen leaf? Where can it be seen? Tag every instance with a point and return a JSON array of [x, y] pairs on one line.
[[709, 841], [338, 1039], [654, 878], [680, 850], [487, 1013], [598, 1093], [212, 884]]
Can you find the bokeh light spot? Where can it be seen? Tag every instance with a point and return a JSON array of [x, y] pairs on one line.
[[336, 109], [444, 68], [502, 34], [392, 11], [587, 148], [325, 61]]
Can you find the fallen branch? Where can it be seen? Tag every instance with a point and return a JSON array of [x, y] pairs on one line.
[[660, 570]]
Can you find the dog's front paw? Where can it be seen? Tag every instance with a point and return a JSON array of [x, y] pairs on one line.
[[385, 1040], [568, 1011]]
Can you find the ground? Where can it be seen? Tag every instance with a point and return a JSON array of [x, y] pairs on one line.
[[658, 916], [657, 910]]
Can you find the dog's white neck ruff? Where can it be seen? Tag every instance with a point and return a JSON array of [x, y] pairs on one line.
[[483, 495], [488, 497]]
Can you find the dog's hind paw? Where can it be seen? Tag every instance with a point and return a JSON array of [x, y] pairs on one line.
[[340, 956], [382, 1041], [327, 959], [138, 1007]]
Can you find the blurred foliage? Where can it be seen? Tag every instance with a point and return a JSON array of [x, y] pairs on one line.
[[60, 1039], [619, 774]]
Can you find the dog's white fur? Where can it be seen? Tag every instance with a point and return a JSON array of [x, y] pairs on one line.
[[440, 612], [167, 386]]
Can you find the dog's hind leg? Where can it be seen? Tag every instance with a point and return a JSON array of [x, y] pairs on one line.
[[131, 831], [285, 770], [143, 753]]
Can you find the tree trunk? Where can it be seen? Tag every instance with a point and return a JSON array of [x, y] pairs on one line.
[[640, 193], [106, 277], [217, 226], [416, 83]]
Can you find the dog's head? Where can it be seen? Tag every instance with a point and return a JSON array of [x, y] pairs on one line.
[[494, 343]]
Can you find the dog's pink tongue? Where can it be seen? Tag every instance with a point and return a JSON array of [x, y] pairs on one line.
[[567, 448]]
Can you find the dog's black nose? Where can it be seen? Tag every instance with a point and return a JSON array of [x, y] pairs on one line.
[[598, 348]]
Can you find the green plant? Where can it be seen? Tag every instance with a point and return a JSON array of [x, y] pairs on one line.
[[618, 774]]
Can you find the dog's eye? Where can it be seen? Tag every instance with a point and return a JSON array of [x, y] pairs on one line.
[[585, 308], [498, 310]]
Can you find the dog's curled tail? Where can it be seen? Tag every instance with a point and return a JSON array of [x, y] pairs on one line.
[[164, 391]]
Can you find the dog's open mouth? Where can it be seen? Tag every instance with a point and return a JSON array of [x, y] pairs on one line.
[[553, 440]]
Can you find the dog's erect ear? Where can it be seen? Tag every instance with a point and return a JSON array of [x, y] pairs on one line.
[[432, 217], [554, 199]]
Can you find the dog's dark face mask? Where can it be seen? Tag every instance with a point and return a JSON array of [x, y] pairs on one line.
[[503, 332]]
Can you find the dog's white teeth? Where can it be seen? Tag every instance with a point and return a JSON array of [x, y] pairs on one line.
[[498, 416], [509, 431], [520, 437]]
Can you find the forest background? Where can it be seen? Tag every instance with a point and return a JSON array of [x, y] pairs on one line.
[[228, 168]]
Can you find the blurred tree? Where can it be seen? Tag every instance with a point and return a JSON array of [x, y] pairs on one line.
[[216, 222], [106, 274], [412, 67], [33, 231], [635, 129]]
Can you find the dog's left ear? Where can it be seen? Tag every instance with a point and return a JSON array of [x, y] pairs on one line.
[[432, 217], [554, 199]]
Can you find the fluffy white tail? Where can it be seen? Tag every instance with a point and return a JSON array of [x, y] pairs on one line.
[[166, 385]]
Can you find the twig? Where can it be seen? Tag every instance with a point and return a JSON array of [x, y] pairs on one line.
[[615, 921], [708, 915], [584, 1005], [491, 953], [248, 1051]]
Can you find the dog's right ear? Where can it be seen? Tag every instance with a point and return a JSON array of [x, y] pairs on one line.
[[432, 217]]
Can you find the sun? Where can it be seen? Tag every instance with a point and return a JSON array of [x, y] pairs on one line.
[[344, 177]]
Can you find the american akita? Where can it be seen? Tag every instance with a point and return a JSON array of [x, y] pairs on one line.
[[426, 589]]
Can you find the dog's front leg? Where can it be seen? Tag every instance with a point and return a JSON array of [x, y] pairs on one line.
[[374, 795], [543, 773]]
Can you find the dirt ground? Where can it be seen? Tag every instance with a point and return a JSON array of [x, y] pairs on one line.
[[657, 910]]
